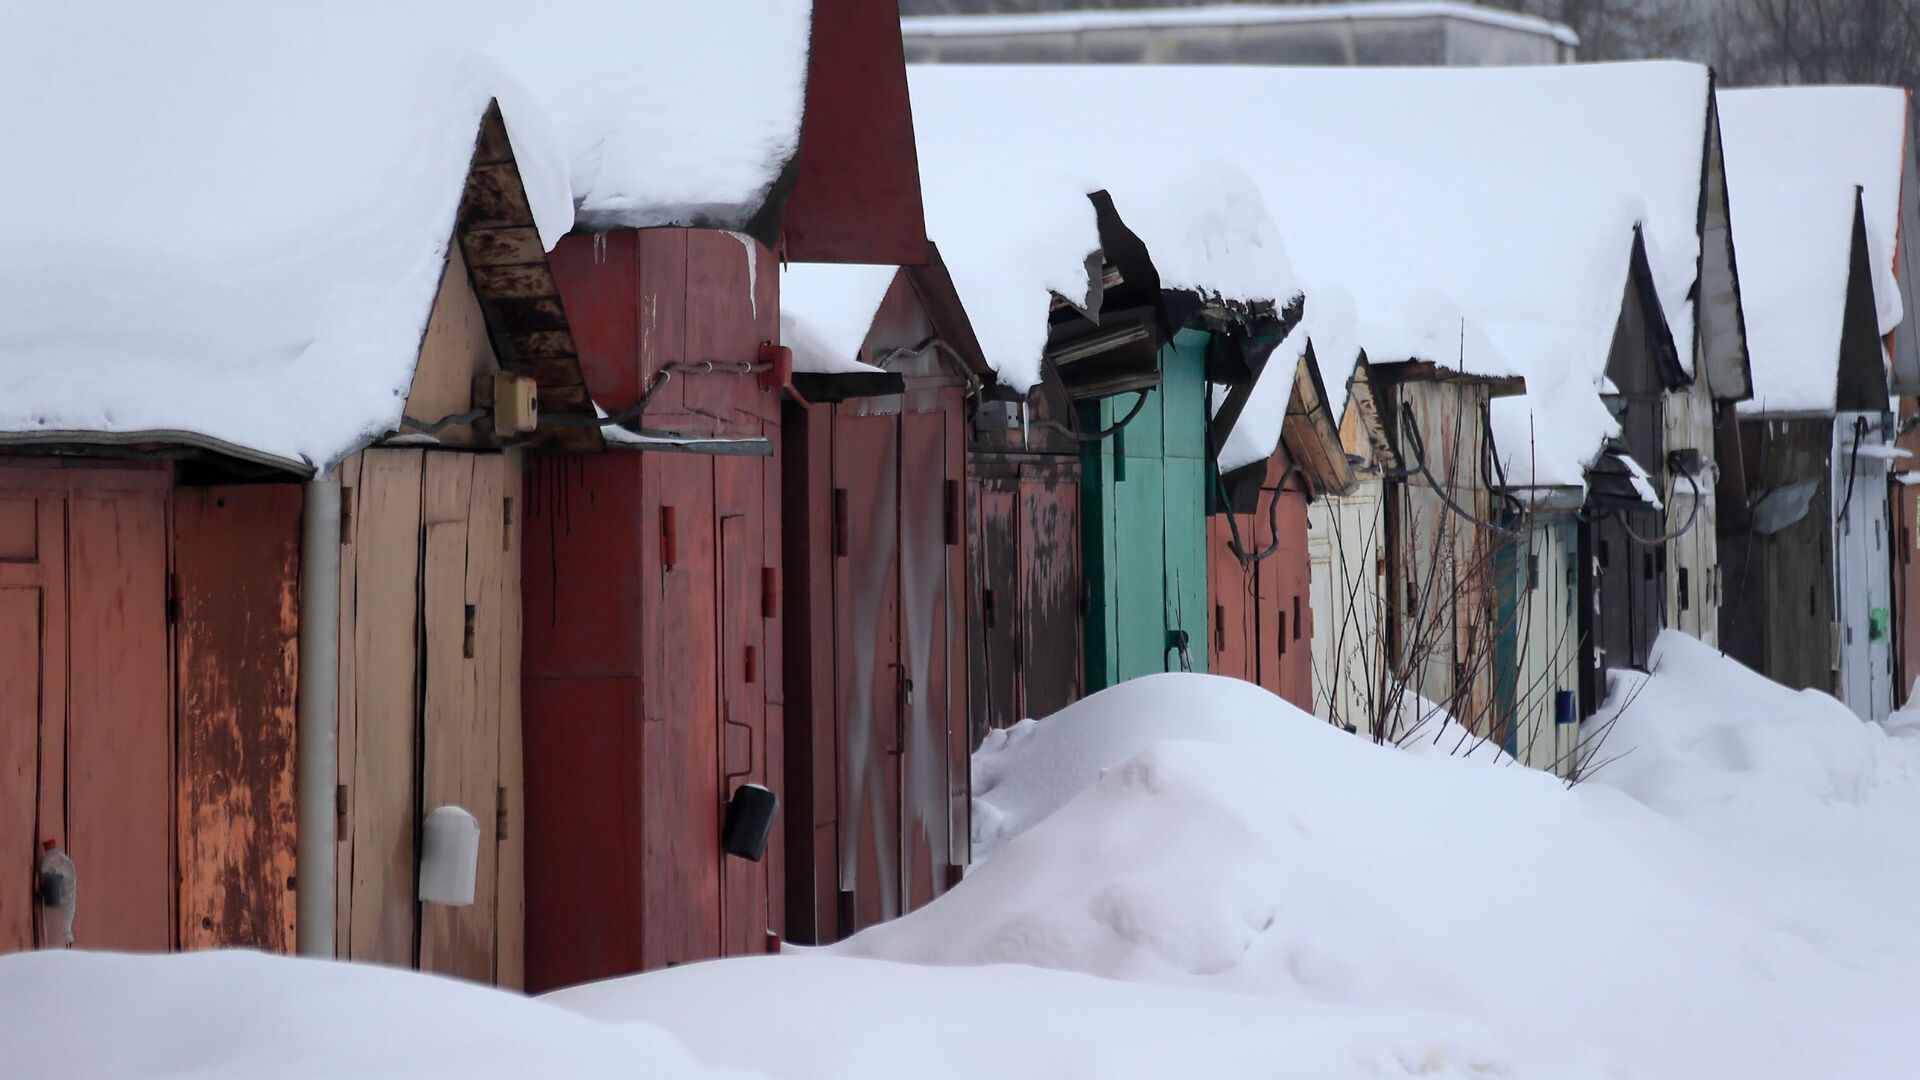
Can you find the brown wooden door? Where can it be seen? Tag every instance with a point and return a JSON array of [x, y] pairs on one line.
[[84, 696], [1052, 614]]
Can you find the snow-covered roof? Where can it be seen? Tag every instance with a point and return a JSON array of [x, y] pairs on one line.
[[1007, 163], [1477, 218], [1795, 158], [826, 311], [674, 113], [227, 223], [1066, 22]]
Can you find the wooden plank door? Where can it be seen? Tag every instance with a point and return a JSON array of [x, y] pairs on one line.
[[867, 658], [119, 775], [32, 682], [380, 709], [236, 568]]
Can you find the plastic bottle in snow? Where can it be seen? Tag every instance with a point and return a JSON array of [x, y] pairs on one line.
[[57, 890]]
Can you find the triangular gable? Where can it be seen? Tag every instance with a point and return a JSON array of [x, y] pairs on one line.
[[1860, 383], [518, 295], [1642, 332], [1721, 318]]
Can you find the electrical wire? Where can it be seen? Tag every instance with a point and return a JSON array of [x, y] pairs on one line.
[[1139, 402], [1656, 541], [1419, 448]]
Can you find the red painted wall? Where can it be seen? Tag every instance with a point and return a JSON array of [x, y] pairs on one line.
[[1262, 627], [856, 197], [651, 672]]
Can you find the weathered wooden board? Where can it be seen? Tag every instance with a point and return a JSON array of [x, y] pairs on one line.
[[810, 798], [346, 703], [119, 790], [453, 352], [386, 797], [237, 569], [1051, 662], [458, 750]]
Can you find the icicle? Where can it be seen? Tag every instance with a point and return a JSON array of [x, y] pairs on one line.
[[753, 270]]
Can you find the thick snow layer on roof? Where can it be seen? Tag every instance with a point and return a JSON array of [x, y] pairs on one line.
[[826, 311], [674, 113], [230, 221], [1066, 22], [1795, 157], [249, 1016], [1480, 219], [1006, 163]]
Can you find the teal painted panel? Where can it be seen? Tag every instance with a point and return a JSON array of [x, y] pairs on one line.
[[1138, 584], [1183, 383], [1141, 437], [1185, 557], [1097, 541]]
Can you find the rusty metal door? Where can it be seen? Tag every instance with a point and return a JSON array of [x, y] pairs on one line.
[[927, 697], [871, 686], [1051, 588]]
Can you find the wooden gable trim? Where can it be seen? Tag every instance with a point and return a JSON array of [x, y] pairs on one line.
[[1310, 433], [1660, 340], [515, 287], [1719, 348]]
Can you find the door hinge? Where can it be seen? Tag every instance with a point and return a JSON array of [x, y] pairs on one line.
[[173, 598], [340, 812], [988, 611], [953, 513], [839, 523], [346, 516], [500, 813], [769, 593]]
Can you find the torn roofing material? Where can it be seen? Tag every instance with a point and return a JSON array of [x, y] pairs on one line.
[[1006, 177], [1801, 163], [237, 220]]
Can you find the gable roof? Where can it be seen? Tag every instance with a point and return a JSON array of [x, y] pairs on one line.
[[236, 223], [1007, 166], [1479, 219], [1814, 173]]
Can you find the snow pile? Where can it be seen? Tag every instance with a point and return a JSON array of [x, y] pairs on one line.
[[827, 310], [246, 1016], [816, 1017], [1577, 928], [235, 219], [1795, 159], [1005, 174]]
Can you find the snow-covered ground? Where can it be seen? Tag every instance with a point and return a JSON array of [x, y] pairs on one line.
[[1185, 876]]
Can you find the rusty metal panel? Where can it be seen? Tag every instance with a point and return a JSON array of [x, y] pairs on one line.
[[925, 603], [237, 568], [1051, 621], [1906, 583], [996, 602], [870, 686], [119, 769]]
